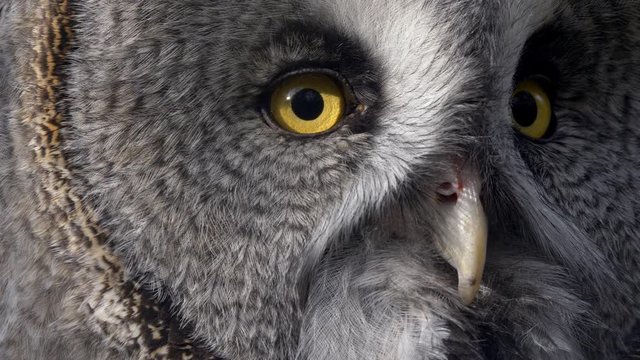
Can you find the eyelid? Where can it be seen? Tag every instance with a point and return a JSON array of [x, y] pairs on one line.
[[317, 70]]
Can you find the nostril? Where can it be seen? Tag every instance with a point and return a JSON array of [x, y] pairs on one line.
[[447, 192]]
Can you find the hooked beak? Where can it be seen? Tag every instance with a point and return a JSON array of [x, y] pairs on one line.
[[463, 242]]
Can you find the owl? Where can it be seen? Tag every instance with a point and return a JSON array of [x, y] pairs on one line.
[[319, 179]]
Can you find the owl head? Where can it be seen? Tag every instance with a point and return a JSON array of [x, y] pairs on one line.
[[366, 179]]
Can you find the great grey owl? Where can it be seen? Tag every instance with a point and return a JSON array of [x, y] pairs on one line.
[[319, 179]]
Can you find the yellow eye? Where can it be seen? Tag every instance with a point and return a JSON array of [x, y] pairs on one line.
[[308, 103], [531, 110]]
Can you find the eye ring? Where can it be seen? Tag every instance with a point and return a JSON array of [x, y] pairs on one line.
[[308, 102], [531, 109]]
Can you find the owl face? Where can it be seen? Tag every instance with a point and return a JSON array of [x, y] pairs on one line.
[[302, 178]]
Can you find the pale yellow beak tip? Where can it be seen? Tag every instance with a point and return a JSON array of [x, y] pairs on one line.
[[468, 290]]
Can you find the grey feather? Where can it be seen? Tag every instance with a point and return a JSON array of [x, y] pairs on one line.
[[263, 245]]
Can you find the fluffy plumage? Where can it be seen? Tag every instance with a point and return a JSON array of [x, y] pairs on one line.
[[268, 246]]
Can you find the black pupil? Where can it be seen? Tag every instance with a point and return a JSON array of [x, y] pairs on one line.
[[524, 108], [307, 104]]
